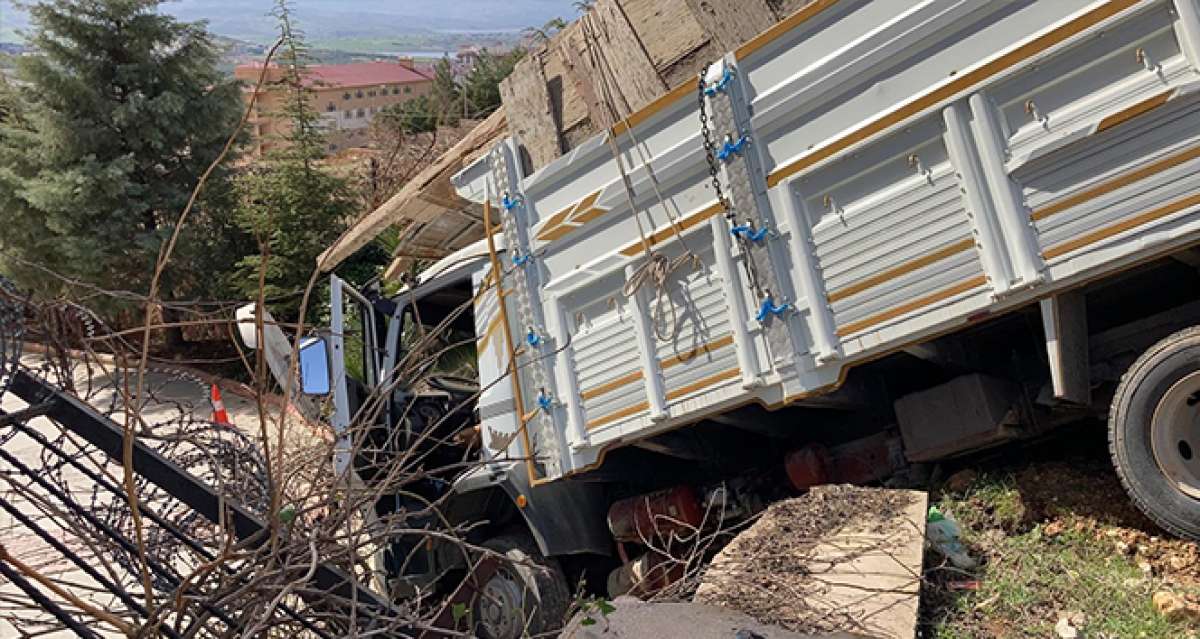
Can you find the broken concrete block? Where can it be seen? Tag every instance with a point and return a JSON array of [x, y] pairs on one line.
[[634, 619], [840, 558]]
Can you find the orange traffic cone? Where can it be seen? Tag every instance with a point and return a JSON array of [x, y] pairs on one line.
[[220, 415]]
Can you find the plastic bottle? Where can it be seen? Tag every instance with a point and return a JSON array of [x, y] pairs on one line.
[[943, 533]]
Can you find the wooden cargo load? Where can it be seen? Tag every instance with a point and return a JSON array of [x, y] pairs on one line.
[[656, 46]]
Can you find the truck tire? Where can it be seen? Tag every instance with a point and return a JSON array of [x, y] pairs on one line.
[[1154, 433], [527, 596]]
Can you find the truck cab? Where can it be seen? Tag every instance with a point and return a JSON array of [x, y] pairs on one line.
[[400, 376]]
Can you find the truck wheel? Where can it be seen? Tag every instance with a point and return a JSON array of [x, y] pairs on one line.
[[527, 596], [1154, 433]]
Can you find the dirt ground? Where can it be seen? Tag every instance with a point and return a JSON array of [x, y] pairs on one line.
[[1063, 552], [1063, 547]]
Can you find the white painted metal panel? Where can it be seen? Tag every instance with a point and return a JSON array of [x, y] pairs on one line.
[[887, 212], [1117, 185], [923, 52], [1063, 97], [496, 407], [899, 146]]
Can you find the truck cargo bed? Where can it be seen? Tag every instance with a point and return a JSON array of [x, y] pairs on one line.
[[893, 171]]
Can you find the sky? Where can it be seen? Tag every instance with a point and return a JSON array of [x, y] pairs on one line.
[[324, 19]]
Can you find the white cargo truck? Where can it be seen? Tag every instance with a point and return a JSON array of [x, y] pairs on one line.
[[883, 232]]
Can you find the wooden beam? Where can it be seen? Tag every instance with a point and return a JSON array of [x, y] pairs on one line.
[[582, 75], [730, 24], [434, 177], [569, 109], [606, 65]]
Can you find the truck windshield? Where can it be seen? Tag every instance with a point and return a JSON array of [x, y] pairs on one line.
[[438, 333]]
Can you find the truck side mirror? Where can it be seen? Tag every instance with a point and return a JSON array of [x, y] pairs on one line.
[[314, 366], [244, 317]]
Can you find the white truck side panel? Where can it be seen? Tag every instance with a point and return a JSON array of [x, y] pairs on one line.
[[926, 164]]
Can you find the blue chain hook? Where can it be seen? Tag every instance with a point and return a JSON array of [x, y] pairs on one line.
[[532, 338], [720, 85], [510, 203], [768, 309], [521, 260], [544, 401], [749, 233], [733, 148]]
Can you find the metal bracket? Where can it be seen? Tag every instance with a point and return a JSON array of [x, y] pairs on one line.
[[732, 148], [768, 308]]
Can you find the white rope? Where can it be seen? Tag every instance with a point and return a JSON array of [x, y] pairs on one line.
[[657, 268]]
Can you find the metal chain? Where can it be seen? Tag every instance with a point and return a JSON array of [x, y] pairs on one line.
[[714, 173], [543, 438], [710, 147]]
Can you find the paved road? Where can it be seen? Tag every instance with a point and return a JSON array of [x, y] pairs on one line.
[[173, 394]]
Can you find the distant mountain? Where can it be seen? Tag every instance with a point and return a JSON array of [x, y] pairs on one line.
[[332, 20]]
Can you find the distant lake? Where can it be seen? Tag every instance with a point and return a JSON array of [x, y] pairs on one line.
[[417, 54], [482, 31]]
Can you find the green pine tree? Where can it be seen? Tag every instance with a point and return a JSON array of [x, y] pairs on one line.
[[481, 87], [294, 205], [116, 119], [417, 115], [445, 101]]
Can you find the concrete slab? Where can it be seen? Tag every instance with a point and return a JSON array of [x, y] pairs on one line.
[[634, 619], [859, 571]]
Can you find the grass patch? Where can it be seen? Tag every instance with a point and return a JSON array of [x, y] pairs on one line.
[[1039, 567]]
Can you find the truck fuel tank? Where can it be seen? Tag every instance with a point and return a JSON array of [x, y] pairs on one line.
[[659, 514]]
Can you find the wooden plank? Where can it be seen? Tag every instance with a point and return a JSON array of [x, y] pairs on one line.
[[531, 116], [581, 75], [409, 201], [730, 24], [676, 43], [667, 28], [602, 44], [569, 107], [622, 56], [651, 44]]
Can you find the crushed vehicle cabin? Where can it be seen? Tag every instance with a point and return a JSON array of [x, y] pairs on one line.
[[878, 234]]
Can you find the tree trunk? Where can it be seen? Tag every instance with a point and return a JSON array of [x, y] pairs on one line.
[[173, 334]]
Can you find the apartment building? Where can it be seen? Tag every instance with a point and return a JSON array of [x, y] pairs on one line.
[[347, 96]]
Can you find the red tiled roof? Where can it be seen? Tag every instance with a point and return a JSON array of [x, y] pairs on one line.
[[360, 74]]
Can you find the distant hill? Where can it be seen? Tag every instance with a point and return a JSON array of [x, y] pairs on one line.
[[326, 22]]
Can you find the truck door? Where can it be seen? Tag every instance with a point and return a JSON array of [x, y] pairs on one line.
[[358, 334]]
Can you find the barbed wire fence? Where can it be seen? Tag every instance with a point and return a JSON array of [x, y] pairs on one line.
[[203, 580], [102, 551]]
